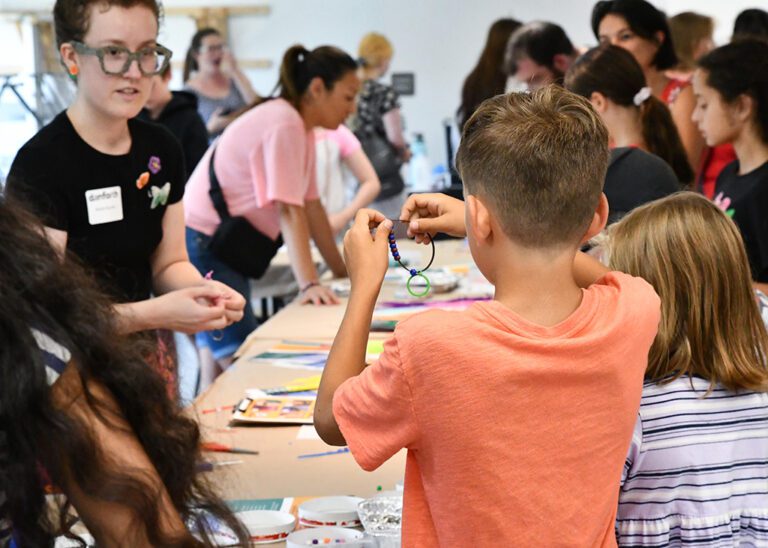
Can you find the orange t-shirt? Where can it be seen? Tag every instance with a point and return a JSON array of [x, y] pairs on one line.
[[516, 433]]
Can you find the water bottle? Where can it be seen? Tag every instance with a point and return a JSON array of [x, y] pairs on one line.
[[441, 179], [420, 171]]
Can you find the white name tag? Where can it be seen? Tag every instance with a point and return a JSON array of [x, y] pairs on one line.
[[105, 205]]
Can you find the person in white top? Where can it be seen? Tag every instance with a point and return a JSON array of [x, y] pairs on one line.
[[339, 153]]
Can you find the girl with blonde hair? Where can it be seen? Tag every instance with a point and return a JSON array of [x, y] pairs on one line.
[[696, 469]]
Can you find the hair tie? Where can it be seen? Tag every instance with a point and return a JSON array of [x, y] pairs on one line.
[[641, 96], [300, 57]]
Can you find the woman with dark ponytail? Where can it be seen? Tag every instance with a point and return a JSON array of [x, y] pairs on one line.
[[212, 74], [642, 29], [610, 77], [638, 124], [265, 165], [77, 401]]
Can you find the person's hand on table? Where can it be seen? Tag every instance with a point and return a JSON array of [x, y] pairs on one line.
[[318, 294], [233, 302], [433, 213], [367, 255]]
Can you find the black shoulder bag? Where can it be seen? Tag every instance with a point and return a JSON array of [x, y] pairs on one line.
[[236, 242], [384, 157]]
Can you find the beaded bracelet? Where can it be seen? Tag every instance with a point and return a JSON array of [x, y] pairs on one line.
[[413, 272], [309, 285]]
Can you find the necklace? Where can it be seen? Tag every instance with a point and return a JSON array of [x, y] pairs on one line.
[[412, 271]]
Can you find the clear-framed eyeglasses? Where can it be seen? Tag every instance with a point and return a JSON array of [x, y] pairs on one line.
[[116, 60]]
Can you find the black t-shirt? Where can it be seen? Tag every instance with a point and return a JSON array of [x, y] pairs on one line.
[[634, 178], [112, 225], [748, 195]]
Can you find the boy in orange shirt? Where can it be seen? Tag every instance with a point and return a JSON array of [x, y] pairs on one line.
[[518, 412]]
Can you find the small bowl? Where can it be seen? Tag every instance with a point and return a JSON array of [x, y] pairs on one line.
[[330, 511], [381, 516], [327, 536], [267, 526]]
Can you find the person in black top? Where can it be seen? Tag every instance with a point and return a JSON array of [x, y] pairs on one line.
[[177, 111], [612, 80], [634, 178], [108, 187], [731, 90]]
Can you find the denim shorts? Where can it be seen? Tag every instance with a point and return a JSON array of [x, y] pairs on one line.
[[233, 336]]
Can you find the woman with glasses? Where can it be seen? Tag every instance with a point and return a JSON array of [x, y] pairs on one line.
[[211, 73], [108, 187]]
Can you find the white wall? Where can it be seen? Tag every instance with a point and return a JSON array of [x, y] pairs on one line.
[[438, 40]]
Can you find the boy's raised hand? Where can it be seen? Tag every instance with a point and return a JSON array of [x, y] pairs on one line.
[[432, 213], [367, 255]]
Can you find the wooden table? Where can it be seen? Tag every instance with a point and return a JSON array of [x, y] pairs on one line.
[[277, 471]]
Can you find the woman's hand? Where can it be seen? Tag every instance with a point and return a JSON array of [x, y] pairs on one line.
[[433, 213], [318, 294], [366, 255], [192, 309], [233, 302]]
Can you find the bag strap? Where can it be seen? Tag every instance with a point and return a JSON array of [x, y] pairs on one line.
[[217, 196]]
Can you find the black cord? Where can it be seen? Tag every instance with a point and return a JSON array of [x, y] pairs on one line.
[[431, 259]]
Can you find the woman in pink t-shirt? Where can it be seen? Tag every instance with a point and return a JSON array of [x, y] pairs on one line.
[[265, 164]]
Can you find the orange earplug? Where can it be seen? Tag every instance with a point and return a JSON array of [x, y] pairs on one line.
[[73, 70]]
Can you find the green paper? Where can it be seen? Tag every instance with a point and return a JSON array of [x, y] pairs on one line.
[[374, 347], [243, 505]]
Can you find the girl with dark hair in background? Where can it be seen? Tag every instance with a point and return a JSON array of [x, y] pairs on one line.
[[265, 165], [751, 23], [731, 89], [108, 186], [613, 81], [211, 73], [640, 28], [77, 400], [489, 77], [692, 36]]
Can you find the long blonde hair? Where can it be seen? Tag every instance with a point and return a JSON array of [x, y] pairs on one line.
[[693, 255]]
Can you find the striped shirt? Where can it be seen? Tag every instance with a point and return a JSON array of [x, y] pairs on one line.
[[697, 469], [55, 358]]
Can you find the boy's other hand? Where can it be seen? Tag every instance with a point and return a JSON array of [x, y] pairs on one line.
[[433, 213], [367, 255]]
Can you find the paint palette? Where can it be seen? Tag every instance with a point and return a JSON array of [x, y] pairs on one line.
[[267, 526], [328, 536], [330, 511]]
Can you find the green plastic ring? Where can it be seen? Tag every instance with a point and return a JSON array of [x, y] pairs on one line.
[[426, 289]]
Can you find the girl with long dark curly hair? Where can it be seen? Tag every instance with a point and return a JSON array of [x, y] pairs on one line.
[[78, 401]]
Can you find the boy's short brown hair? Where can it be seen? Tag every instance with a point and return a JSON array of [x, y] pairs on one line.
[[539, 160]]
